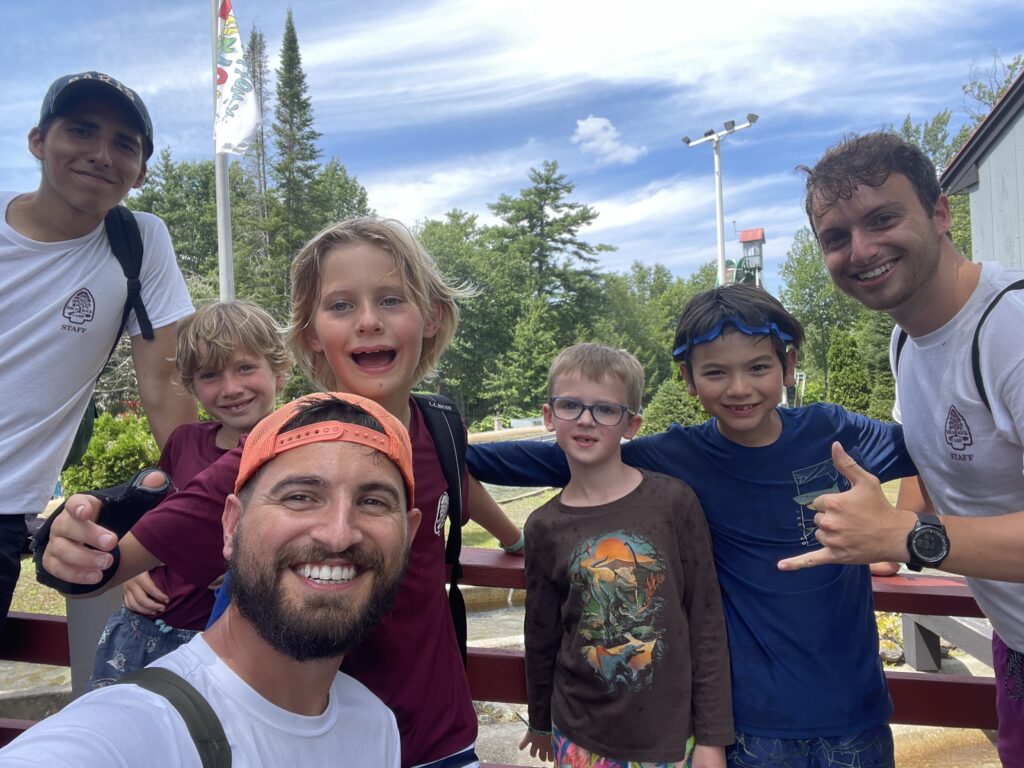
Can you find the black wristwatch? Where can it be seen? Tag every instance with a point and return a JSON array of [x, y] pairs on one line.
[[927, 543]]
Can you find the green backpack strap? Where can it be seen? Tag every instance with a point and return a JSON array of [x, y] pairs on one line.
[[202, 722]]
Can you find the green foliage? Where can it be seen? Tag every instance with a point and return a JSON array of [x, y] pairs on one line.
[[672, 403], [486, 424], [120, 447], [809, 293], [542, 227], [517, 381], [182, 194], [883, 395], [932, 136], [337, 196], [848, 379], [984, 89], [872, 333], [814, 390], [465, 254], [295, 141]]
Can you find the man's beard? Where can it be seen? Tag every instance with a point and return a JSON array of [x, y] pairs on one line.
[[320, 626]]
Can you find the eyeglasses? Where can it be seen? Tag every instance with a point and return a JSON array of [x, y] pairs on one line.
[[739, 325], [605, 414]]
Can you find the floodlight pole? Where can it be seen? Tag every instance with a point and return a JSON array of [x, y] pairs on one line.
[[715, 137]]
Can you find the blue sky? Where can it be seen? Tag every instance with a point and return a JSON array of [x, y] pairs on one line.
[[437, 105]]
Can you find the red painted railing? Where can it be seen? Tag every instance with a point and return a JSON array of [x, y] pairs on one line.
[[919, 698]]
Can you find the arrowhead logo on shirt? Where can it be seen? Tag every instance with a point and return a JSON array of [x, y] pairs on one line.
[[958, 434], [78, 310]]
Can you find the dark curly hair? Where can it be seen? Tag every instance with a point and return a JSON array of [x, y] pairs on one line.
[[870, 160], [753, 305]]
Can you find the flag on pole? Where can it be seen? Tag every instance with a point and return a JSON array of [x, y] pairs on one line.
[[238, 114]]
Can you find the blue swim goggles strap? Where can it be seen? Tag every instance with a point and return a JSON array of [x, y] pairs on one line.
[[739, 325]]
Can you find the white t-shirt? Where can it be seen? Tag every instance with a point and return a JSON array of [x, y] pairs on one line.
[[124, 726], [61, 305], [971, 459]]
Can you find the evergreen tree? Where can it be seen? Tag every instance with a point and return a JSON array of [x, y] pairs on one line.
[[809, 293], [465, 255], [542, 226], [255, 158], [873, 333], [672, 403], [883, 395], [337, 196], [848, 380], [517, 381], [295, 168]]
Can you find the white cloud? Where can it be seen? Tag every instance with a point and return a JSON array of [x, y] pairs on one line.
[[413, 193], [597, 136]]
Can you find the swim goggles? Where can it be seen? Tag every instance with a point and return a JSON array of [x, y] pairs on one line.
[[739, 325]]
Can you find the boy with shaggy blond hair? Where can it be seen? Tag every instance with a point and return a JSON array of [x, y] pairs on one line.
[[371, 316], [231, 357]]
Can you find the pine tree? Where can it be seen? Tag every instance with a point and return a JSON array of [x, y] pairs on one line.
[[543, 227], [255, 160], [517, 384], [847, 378], [672, 403], [296, 166]]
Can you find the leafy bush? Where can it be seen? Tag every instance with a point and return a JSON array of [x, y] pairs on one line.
[[672, 403], [486, 424], [814, 391], [120, 447]]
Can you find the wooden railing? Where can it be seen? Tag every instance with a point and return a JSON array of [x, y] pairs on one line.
[[919, 698]]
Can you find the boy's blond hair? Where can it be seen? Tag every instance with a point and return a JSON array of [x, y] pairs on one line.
[[597, 361], [217, 332], [427, 288]]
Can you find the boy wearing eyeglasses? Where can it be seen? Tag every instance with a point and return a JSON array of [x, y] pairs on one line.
[[626, 654], [808, 689]]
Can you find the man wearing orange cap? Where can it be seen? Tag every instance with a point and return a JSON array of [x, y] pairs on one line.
[[317, 536]]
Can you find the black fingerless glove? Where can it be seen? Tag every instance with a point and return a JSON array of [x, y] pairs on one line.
[[122, 507]]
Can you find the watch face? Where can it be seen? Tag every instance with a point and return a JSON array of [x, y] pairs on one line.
[[930, 544]]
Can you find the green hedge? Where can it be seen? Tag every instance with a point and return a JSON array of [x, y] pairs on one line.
[[120, 447]]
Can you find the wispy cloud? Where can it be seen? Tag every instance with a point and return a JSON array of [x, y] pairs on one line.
[[469, 182]]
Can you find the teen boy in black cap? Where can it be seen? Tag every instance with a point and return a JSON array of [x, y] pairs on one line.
[[63, 292]]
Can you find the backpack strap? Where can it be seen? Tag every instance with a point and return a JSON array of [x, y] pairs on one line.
[[444, 422], [901, 340], [976, 346], [126, 243], [202, 722]]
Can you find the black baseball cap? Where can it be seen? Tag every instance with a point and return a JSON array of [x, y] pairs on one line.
[[102, 85]]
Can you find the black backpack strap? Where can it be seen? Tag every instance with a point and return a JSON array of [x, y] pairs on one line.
[[976, 346], [901, 339], [126, 243], [202, 722], [445, 425]]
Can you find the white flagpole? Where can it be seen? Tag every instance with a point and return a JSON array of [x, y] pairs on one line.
[[225, 259]]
